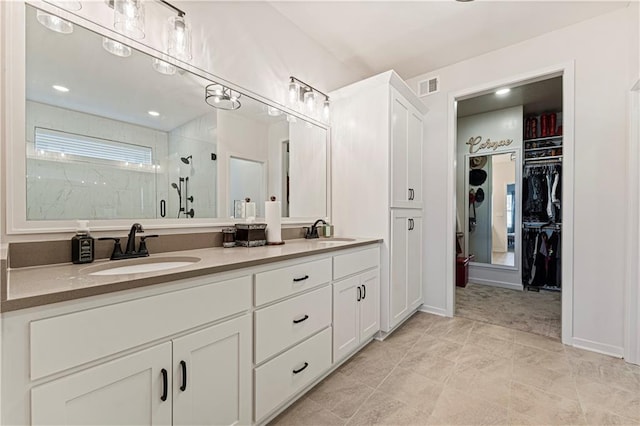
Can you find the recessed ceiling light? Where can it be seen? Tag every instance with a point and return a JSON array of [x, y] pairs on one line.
[[503, 91], [154, 113], [60, 88]]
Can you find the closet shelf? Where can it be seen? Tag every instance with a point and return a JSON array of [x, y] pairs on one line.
[[547, 138], [544, 147]]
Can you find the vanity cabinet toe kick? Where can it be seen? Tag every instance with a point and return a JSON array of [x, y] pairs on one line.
[[255, 339]]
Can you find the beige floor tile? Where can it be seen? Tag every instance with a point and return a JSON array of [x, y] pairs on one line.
[[609, 398], [517, 419], [381, 409], [556, 361], [545, 408], [307, 412], [437, 347], [404, 338], [371, 365], [614, 374], [550, 381], [432, 367], [414, 390], [598, 416], [540, 342], [472, 360], [496, 390], [495, 331], [422, 321], [463, 408], [498, 347], [455, 329], [340, 394]]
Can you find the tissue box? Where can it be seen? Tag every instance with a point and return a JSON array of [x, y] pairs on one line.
[[251, 234]]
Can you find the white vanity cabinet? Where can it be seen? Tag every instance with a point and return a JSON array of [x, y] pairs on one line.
[[377, 156], [406, 256], [356, 300], [202, 378]]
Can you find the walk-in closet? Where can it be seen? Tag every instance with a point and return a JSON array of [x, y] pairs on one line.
[[509, 207]]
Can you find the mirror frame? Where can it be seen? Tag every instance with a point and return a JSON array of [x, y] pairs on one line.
[[14, 88], [518, 225]]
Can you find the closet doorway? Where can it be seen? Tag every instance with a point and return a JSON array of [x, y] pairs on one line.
[[509, 150]]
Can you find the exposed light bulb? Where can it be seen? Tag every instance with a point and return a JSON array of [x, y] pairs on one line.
[[115, 48], [54, 23]]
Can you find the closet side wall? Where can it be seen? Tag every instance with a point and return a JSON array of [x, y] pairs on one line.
[[594, 47]]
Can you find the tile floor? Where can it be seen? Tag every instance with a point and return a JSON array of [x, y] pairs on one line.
[[530, 311], [456, 371]]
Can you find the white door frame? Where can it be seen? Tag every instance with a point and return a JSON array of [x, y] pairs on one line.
[[567, 71], [632, 287]]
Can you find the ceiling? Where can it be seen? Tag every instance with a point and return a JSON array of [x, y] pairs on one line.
[[538, 97], [419, 36]]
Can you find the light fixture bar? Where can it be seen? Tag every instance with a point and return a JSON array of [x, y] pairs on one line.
[[308, 86], [180, 12]]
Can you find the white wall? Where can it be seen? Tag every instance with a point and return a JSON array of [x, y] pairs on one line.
[[605, 53]]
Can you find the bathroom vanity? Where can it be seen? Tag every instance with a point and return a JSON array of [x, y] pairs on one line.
[[232, 337]]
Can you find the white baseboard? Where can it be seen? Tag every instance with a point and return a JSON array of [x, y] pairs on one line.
[[433, 310], [493, 283], [602, 348]]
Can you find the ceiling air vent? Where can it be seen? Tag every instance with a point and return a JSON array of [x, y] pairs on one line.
[[429, 86]]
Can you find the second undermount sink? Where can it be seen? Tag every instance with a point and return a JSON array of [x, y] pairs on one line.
[[145, 265]]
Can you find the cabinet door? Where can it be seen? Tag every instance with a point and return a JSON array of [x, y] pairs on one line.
[[414, 159], [346, 319], [399, 150], [212, 375], [126, 391], [414, 262], [369, 305], [398, 296]]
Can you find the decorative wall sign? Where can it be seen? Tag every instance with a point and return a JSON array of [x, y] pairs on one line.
[[476, 144]]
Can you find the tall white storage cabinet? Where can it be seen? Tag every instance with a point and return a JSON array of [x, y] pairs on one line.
[[376, 162]]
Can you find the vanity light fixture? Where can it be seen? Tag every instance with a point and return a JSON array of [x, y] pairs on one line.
[[221, 97], [128, 17], [163, 67], [115, 48], [309, 94], [60, 88], [179, 33], [54, 23], [503, 91]]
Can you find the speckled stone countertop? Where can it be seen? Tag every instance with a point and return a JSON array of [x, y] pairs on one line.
[[42, 285]]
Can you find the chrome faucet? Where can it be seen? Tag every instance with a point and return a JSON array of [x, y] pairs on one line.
[[131, 241], [312, 232]]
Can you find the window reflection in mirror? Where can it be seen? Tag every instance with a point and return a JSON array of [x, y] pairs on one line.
[[492, 208], [128, 139]]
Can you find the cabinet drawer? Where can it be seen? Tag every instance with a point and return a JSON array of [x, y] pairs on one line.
[[286, 323], [276, 381], [347, 264], [283, 282], [65, 341]]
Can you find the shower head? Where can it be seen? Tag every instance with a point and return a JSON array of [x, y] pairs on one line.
[[186, 160], [174, 185]]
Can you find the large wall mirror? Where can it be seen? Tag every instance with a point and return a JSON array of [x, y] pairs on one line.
[[114, 133], [492, 212]]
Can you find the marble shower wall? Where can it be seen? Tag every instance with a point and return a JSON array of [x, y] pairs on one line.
[[62, 188]]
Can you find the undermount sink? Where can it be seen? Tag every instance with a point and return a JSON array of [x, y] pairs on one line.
[[145, 265]]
